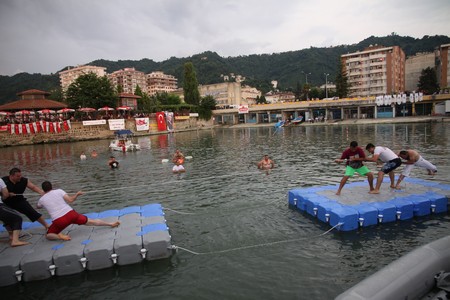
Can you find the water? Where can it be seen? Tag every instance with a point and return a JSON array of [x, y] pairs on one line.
[[232, 206]]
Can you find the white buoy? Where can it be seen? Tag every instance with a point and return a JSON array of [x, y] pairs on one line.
[[165, 160], [188, 157]]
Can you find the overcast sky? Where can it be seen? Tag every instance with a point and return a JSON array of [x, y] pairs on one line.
[[44, 36]]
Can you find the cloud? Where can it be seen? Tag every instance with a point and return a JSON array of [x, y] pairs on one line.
[[47, 35]]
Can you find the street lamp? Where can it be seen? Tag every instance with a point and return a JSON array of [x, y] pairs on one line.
[[326, 84], [306, 74]]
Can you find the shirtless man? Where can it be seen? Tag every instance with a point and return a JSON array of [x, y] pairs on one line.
[[178, 156], [55, 202], [413, 158], [391, 162], [266, 163]]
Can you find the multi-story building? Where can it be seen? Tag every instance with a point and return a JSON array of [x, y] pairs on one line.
[[226, 93], [128, 79], [414, 66], [68, 76], [444, 67], [249, 95], [158, 82], [375, 71]]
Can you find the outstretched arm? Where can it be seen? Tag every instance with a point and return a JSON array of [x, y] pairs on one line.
[[72, 198], [34, 188]]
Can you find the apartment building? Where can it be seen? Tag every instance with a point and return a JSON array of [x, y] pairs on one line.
[[158, 82], [444, 66], [414, 66], [225, 93], [128, 79], [249, 95], [376, 71], [68, 76]]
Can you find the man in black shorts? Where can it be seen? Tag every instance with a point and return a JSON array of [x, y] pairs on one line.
[[17, 185]]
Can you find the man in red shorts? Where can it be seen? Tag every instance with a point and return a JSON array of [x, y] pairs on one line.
[[55, 202]]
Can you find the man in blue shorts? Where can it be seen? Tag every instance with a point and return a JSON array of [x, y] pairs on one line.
[[354, 166], [391, 162]]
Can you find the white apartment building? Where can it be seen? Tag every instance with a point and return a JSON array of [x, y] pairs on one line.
[[249, 95], [414, 66], [375, 71], [158, 82], [225, 93], [68, 76], [128, 79]]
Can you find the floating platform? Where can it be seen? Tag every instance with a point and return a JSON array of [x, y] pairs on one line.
[[355, 207], [142, 235]]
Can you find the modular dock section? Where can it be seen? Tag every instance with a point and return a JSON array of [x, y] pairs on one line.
[[141, 235], [355, 207]]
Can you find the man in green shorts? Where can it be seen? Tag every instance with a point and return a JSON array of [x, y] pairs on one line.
[[354, 166]]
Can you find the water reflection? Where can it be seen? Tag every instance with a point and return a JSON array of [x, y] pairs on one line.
[[234, 205]]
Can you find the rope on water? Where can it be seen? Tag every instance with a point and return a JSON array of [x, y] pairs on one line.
[[109, 189], [174, 247]]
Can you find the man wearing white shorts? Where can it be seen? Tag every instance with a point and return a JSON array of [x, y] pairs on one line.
[[413, 158]]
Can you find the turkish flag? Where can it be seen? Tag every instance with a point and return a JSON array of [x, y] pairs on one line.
[[161, 121]]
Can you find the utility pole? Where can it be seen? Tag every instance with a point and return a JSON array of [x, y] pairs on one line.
[[326, 84]]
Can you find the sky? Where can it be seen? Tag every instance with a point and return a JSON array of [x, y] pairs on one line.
[[45, 36]]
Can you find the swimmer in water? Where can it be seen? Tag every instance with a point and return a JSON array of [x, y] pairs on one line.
[[113, 163], [266, 163], [82, 156]]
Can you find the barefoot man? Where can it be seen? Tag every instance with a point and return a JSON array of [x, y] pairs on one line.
[[54, 201], [391, 162], [413, 158], [354, 152], [10, 218]]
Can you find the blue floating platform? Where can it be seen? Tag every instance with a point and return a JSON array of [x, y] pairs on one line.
[[141, 235], [355, 207]]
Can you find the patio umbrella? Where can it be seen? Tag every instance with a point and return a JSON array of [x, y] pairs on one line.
[[5, 113], [87, 109], [105, 108], [65, 110], [124, 108], [46, 111], [24, 112]]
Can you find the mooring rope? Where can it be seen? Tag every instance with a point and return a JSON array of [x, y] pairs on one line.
[[175, 247]]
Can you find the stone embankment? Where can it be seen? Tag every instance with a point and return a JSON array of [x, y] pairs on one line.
[[78, 132]]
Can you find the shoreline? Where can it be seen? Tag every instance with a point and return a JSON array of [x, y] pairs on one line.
[[12, 140]]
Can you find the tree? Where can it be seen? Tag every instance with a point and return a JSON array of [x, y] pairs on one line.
[[190, 85], [89, 90], [428, 81], [207, 104], [168, 99], [342, 85]]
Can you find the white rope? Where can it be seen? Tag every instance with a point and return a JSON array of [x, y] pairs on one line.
[[204, 179], [254, 246]]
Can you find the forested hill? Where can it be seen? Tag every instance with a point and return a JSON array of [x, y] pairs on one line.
[[288, 68]]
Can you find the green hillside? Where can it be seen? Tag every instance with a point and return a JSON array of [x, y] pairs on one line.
[[259, 70]]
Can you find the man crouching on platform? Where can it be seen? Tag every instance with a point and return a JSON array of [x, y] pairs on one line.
[[55, 202]]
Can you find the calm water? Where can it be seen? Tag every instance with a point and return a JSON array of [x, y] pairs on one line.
[[231, 207]]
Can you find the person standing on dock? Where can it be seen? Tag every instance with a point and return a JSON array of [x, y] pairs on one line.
[[413, 158], [10, 218], [55, 202], [354, 166], [17, 185], [391, 162]]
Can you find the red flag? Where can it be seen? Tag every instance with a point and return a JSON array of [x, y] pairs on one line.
[[161, 121]]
